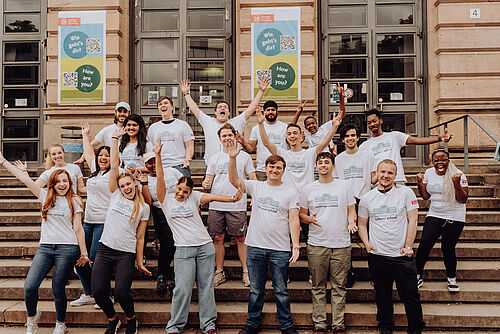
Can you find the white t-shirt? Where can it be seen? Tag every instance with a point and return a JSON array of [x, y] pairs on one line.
[[388, 221], [329, 201], [171, 176], [440, 208], [210, 128], [388, 146], [356, 169], [268, 227], [277, 135], [185, 221], [299, 170], [104, 136], [314, 139], [119, 232], [130, 156], [58, 228], [218, 167], [74, 171], [173, 136]]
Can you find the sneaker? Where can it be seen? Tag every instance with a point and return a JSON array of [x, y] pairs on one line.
[[452, 285], [290, 330], [249, 330], [132, 325], [351, 279], [171, 285], [338, 329], [385, 331], [32, 325], [310, 279], [113, 326], [246, 279], [60, 328], [219, 277], [212, 331], [420, 281], [97, 307], [83, 300], [161, 285]]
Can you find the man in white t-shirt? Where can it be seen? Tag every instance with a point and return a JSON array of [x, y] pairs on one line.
[[328, 205], [222, 113], [274, 218], [176, 135], [228, 216], [393, 212], [103, 137], [387, 145]]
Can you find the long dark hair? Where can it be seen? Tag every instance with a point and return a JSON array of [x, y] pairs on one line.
[[141, 136], [96, 161]]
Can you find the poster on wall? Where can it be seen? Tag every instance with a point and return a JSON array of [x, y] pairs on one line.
[[82, 57], [276, 52]]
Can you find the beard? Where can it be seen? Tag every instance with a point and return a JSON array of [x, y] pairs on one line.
[[271, 118]]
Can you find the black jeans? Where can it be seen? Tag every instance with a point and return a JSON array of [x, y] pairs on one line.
[[106, 260], [449, 231], [384, 270], [167, 248]]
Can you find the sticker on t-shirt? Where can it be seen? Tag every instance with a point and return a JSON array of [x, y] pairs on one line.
[[268, 204], [326, 201], [414, 202]]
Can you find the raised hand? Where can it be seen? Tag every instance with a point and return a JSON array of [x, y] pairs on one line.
[[240, 137], [85, 129], [185, 87], [340, 89], [140, 176], [260, 115], [264, 83], [333, 149], [119, 132], [456, 178], [157, 148], [420, 178], [232, 150], [336, 120], [446, 137], [22, 166], [300, 107]]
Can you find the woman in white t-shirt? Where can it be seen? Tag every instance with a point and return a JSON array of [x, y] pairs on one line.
[[194, 258], [133, 144], [447, 188], [121, 245], [55, 160], [62, 241]]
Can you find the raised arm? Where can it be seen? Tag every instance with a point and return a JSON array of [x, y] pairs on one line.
[[296, 117], [430, 140], [161, 188], [88, 149], [329, 135], [186, 89], [342, 102], [294, 224], [263, 135], [422, 187], [21, 174], [232, 170], [248, 146], [461, 193], [256, 100], [143, 180], [114, 159]]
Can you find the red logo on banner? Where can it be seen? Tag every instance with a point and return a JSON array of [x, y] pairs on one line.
[[70, 21], [414, 202], [263, 18]]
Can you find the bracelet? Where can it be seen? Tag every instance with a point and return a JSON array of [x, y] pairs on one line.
[[439, 139], [144, 183], [296, 246], [115, 138], [187, 94], [232, 198], [408, 247]]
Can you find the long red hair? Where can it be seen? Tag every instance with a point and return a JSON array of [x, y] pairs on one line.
[[50, 201]]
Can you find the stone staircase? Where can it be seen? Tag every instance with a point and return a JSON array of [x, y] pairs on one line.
[[475, 308]]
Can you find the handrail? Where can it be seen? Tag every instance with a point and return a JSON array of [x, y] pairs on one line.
[[466, 135]]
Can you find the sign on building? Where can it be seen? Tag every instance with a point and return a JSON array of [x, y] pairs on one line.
[[82, 57], [276, 52]]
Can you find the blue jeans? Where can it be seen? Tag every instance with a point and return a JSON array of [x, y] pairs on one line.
[[195, 263], [60, 257], [258, 259], [184, 171], [93, 233]]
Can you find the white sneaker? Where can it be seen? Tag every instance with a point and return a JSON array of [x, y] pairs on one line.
[[60, 328], [83, 300], [97, 307], [453, 285], [32, 325]]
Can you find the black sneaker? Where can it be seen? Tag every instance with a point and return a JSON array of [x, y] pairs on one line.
[[161, 285], [338, 329], [113, 326], [171, 285], [132, 326], [290, 330], [351, 279], [249, 330]]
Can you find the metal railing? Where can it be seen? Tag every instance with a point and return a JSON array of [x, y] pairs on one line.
[[466, 135]]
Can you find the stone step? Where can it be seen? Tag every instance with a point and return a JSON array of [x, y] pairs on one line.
[[466, 270], [484, 316]]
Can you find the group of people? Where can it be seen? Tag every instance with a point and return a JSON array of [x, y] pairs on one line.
[[327, 196]]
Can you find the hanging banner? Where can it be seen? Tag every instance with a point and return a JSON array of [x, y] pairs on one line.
[[276, 52], [82, 57]]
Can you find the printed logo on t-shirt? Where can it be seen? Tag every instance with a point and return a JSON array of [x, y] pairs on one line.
[[326, 201], [181, 212], [274, 138], [315, 140], [385, 212], [353, 172], [222, 168], [434, 188], [297, 167], [57, 211], [167, 136], [381, 148], [268, 204], [122, 208]]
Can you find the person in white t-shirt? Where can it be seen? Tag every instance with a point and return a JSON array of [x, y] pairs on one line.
[[121, 244], [165, 278], [328, 205], [62, 241], [228, 216], [393, 213], [387, 145], [176, 134], [54, 161], [195, 253], [274, 219], [134, 144], [447, 188], [103, 137], [222, 113]]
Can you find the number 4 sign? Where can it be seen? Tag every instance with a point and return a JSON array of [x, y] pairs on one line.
[[475, 13]]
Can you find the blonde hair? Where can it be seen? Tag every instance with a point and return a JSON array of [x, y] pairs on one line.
[[388, 161], [138, 199], [48, 161]]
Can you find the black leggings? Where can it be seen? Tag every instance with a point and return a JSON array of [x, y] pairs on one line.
[[450, 232], [167, 248], [105, 261]]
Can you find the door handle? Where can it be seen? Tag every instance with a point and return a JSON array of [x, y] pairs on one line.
[[381, 106], [366, 106]]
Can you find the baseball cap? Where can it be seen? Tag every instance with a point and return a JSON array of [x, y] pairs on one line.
[[148, 156], [122, 105]]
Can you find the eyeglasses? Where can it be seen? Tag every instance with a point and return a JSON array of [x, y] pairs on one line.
[[440, 160], [222, 107]]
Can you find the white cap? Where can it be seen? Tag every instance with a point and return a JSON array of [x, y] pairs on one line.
[[122, 105], [148, 156]]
